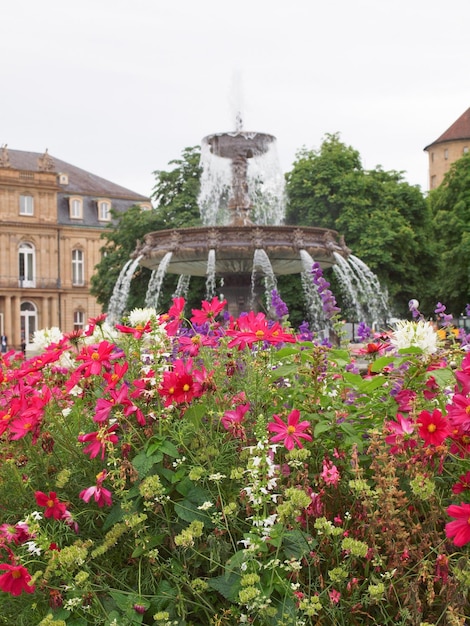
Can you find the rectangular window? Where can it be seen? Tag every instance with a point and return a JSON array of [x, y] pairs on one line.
[[446, 154], [75, 209], [78, 273], [104, 211], [26, 205]]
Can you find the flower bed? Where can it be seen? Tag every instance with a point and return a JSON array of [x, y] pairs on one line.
[[217, 471]]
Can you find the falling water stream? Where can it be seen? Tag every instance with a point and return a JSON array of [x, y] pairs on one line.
[[156, 280], [118, 301]]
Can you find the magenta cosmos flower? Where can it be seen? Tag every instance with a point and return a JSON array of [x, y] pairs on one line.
[[15, 580], [459, 529], [433, 427], [292, 432]]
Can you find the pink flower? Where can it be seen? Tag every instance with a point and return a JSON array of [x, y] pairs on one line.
[[232, 420], [101, 495], [434, 428], [15, 580], [335, 596], [402, 430], [459, 529], [292, 432], [99, 440], [459, 412], [330, 473], [208, 311]]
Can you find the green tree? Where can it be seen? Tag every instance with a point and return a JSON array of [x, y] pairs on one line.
[[450, 206], [385, 221], [175, 195]]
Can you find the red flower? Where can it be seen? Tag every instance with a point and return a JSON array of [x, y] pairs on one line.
[[434, 428], [54, 508], [292, 432], [254, 327], [459, 529], [15, 580], [208, 311], [135, 331], [182, 383], [462, 484]]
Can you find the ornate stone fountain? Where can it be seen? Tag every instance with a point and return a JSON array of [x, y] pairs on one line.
[[238, 249]]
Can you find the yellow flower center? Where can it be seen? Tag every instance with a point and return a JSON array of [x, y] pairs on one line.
[[467, 409], [259, 334], [95, 356], [432, 428], [50, 503], [16, 573], [291, 429], [186, 387]]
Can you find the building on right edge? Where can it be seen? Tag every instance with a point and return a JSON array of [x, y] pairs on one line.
[[448, 148]]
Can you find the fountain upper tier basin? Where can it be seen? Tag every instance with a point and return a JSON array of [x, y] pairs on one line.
[[235, 246], [239, 144]]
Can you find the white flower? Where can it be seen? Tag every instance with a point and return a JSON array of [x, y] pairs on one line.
[[139, 317], [33, 548], [45, 337], [419, 334], [205, 505]]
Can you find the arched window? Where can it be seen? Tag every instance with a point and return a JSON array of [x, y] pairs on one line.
[[29, 322], [26, 265], [76, 208], [78, 268]]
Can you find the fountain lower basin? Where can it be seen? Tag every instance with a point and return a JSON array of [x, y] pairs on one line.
[[235, 246]]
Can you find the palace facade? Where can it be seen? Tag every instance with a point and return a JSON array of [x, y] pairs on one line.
[[446, 149], [52, 215]]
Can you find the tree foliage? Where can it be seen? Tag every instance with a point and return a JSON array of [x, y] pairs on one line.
[[450, 206], [175, 195], [385, 221]]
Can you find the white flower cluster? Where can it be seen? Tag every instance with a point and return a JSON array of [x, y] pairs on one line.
[[420, 334], [45, 337]]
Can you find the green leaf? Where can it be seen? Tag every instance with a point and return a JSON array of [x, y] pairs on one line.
[[228, 586], [370, 384], [115, 515], [187, 509], [295, 544], [320, 428], [143, 463], [194, 414], [380, 363]]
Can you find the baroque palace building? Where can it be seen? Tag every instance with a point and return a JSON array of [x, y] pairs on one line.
[[446, 149], [52, 215]]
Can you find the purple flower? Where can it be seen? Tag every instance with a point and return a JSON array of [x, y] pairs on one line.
[[467, 310], [323, 287], [278, 305], [305, 334], [364, 332]]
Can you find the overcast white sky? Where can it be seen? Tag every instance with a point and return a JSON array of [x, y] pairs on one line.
[[120, 87]]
